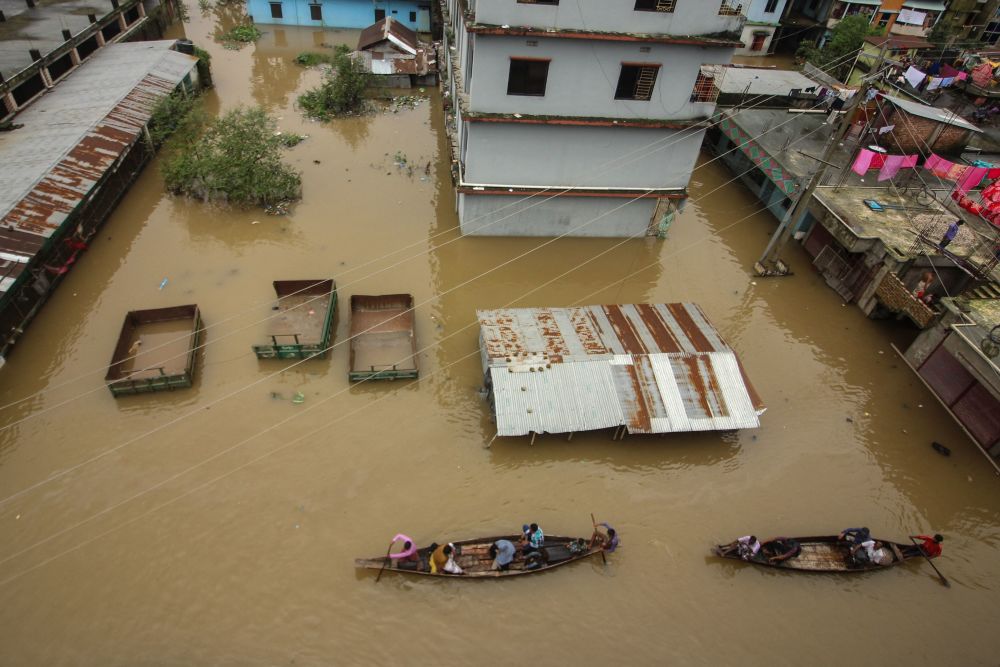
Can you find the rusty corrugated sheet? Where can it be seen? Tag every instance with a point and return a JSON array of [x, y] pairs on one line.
[[653, 368], [72, 137]]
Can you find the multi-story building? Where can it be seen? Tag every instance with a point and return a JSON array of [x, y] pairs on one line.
[[414, 14], [763, 19], [580, 117], [912, 18]]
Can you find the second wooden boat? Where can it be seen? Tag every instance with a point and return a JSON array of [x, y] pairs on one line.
[[825, 553]]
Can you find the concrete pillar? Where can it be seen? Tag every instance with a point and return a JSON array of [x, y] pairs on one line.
[[92, 18], [122, 23], [46, 77], [2, 17], [67, 35], [142, 9], [9, 103], [74, 57], [30, 3], [100, 38]]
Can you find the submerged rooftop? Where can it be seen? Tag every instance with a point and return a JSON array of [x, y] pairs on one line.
[[762, 81], [652, 368]]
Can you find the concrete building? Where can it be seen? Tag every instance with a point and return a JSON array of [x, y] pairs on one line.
[[414, 14], [43, 43], [871, 241], [958, 359], [763, 20], [598, 106], [67, 161], [815, 19]]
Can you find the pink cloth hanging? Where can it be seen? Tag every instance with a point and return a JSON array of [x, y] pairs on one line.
[[993, 173], [937, 165], [973, 176], [962, 76], [863, 161], [893, 163]]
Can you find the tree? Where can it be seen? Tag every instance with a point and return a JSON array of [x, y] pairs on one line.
[[234, 159], [342, 91], [848, 36]]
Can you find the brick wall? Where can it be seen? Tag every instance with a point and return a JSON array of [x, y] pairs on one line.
[[914, 133]]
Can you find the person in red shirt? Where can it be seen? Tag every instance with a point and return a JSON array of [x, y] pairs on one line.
[[931, 546]]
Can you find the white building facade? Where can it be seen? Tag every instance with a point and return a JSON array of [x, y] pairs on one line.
[[763, 19], [580, 117]]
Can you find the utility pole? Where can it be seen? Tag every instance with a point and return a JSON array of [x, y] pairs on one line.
[[769, 264]]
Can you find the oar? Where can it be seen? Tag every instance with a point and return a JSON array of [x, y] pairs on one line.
[[594, 521], [385, 561], [947, 584]]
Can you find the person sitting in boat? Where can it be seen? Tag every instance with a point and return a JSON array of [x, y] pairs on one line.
[[443, 560], [532, 540], [408, 558], [854, 535], [502, 552], [781, 549], [930, 546], [608, 542], [748, 546], [578, 546], [870, 551]]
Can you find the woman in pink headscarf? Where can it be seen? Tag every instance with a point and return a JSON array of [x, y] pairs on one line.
[[407, 555]]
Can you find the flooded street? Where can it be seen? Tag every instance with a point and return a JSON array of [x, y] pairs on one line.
[[219, 524]]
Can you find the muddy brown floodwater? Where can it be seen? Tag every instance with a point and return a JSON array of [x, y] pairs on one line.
[[218, 525]]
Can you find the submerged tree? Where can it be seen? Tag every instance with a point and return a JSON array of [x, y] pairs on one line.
[[836, 56], [342, 91], [234, 159]]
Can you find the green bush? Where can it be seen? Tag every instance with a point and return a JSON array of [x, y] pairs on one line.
[[177, 112], [235, 159], [342, 91], [241, 34], [311, 58]]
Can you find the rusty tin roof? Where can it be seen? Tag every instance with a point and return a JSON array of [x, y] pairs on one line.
[[653, 368], [72, 136]]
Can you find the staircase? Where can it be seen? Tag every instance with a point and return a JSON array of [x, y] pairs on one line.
[[985, 291]]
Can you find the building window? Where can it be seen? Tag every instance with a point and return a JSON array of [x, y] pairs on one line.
[[704, 88], [379, 14], [636, 82], [758, 41], [730, 8], [316, 12], [883, 20], [655, 5], [276, 10], [527, 77], [770, 6], [413, 17], [538, 2]]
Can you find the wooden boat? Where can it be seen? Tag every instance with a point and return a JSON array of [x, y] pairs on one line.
[[821, 554], [474, 558]]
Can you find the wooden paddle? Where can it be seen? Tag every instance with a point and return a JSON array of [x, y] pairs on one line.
[[947, 584], [385, 562], [594, 521]]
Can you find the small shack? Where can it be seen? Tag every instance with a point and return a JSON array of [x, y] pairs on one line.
[[395, 57], [925, 129], [642, 368]]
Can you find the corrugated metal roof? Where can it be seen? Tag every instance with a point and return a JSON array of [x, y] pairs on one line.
[[932, 113], [653, 368], [75, 133]]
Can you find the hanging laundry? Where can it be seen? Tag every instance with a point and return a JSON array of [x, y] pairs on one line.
[[947, 81], [933, 161], [915, 76], [948, 71], [893, 163], [932, 83], [981, 75], [972, 178], [886, 128], [962, 76], [934, 69], [862, 162], [991, 192], [993, 172]]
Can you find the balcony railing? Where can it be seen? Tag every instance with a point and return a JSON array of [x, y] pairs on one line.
[[730, 8], [892, 293]]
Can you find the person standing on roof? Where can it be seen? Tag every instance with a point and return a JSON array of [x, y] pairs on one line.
[[950, 234]]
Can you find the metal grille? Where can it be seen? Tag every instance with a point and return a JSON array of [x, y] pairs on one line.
[[730, 8]]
